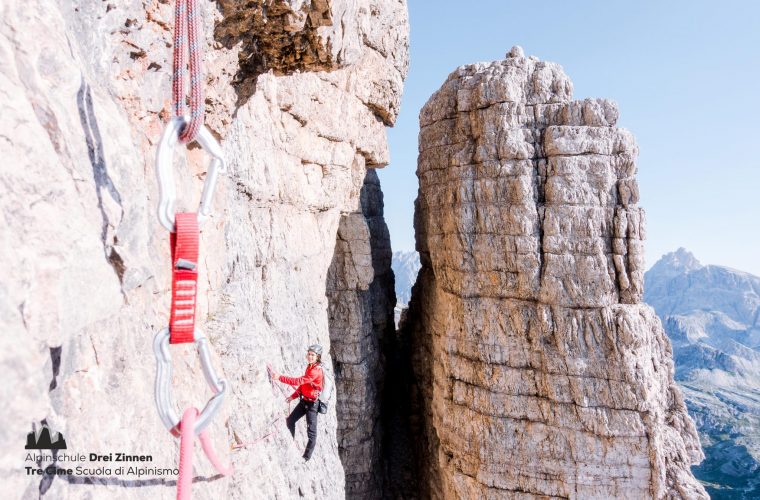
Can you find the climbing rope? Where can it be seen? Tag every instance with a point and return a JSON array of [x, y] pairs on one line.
[[272, 430], [188, 35], [184, 229], [271, 427], [185, 479]]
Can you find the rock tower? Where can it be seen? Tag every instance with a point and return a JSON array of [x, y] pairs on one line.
[[539, 372]]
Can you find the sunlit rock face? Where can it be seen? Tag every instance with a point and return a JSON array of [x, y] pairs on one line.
[[86, 266], [538, 372]]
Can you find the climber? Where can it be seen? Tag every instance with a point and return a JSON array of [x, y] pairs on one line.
[[308, 388]]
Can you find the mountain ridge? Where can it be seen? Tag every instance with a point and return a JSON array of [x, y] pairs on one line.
[[710, 313]]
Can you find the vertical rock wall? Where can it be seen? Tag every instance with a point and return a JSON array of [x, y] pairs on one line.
[[86, 279], [539, 371], [360, 289]]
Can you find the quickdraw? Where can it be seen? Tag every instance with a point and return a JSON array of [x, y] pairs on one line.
[[184, 229]]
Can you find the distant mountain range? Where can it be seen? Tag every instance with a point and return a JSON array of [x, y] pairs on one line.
[[405, 266], [712, 316]]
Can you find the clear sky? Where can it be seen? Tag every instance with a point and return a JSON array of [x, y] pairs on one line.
[[685, 75]]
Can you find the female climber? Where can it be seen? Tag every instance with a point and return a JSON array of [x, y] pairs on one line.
[[308, 388]]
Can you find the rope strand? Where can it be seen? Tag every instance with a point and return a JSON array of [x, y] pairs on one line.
[[185, 479], [186, 441], [271, 426], [188, 33]]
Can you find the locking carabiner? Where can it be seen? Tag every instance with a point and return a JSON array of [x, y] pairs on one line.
[[163, 388], [164, 170]]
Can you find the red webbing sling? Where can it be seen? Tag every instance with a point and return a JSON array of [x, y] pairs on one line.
[[184, 245]]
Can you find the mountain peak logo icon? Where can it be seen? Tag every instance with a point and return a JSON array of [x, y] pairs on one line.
[[44, 439]]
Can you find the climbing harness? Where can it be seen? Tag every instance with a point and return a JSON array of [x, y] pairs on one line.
[[184, 229]]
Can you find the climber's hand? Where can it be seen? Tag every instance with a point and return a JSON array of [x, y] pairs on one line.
[[273, 374]]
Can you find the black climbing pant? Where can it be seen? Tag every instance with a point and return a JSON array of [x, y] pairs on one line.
[[310, 410]]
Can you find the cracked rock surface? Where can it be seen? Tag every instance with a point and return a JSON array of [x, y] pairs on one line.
[[86, 273], [539, 373]]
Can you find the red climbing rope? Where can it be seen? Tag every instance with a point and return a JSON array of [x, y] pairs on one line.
[[188, 34]]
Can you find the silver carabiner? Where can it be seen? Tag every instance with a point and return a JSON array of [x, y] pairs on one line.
[[163, 386], [164, 170]]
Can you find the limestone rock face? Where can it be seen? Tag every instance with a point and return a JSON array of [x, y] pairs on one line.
[[288, 35], [360, 288], [86, 275], [539, 371]]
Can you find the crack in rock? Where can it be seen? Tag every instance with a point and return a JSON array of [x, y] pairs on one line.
[[103, 181]]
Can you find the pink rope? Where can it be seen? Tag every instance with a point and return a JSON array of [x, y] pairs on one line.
[[186, 429], [247, 444], [186, 439], [208, 449], [188, 33], [274, 385], [251, 443], [273, 431]]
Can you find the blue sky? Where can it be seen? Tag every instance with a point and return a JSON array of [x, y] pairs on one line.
[[685, 75]]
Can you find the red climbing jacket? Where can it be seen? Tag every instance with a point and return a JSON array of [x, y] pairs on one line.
[[309, 386]]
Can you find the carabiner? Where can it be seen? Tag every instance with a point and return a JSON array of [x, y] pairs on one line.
[[163, 388], [164, 171]]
